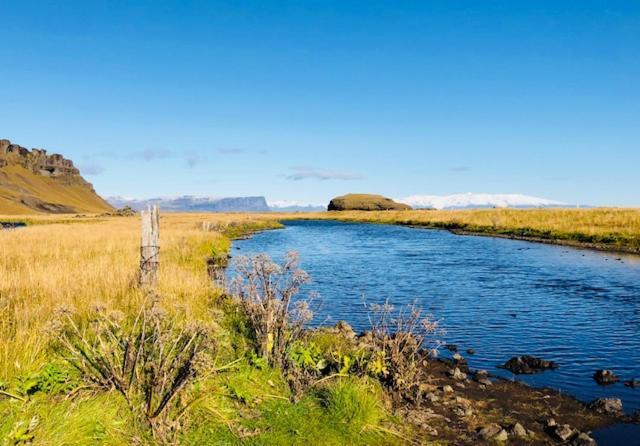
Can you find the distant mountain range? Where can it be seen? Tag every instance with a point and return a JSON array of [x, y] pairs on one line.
[[190, 203], [470, 200], [296, 206]]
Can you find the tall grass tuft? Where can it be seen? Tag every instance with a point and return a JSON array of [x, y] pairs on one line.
[[148, 360]]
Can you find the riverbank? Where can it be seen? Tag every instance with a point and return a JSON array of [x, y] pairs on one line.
[[604, 229], [89, 270]]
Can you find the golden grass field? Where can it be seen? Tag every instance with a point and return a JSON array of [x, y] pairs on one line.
[[48, 265]]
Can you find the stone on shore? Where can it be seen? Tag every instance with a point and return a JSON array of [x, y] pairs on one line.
[[494, 432]]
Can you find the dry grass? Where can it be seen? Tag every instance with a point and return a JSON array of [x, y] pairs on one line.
[[46, 266]]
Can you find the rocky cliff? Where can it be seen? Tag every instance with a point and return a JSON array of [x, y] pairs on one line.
[[34, 181]]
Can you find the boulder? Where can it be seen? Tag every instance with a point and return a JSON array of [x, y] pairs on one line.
[[518, 430], [528, 365], [607, 406], [493, 432], [564, 432], [605, 377], [482, 377], [457, 374]]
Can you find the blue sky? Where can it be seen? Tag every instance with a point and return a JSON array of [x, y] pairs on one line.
[[305, 100]]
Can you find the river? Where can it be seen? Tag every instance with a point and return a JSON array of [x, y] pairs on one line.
[[500, 297]]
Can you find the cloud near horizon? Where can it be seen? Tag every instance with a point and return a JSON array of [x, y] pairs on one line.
[[308, 173], [152, 154]]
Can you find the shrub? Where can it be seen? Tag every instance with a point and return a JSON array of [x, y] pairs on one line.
[[149, 360], [399, 340], [265, 291]]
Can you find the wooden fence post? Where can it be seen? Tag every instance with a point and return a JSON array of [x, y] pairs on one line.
[[150, 247]]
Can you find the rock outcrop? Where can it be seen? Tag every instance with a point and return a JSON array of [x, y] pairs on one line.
[[365, 202], [34, 181], [37, 160]]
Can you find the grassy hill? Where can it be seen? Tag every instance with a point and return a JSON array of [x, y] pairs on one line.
[[24, 192], [365, 202]]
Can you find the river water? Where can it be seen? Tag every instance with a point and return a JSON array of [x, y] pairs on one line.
[[500, 297]]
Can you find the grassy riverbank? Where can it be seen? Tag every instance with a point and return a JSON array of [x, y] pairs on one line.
[[599, 228], [337, 389]]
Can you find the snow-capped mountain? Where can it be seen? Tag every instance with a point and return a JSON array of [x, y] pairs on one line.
[[295, 206], [471, 200]]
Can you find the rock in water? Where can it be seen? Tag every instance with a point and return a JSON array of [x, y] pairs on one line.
[[607, 406], [633, 383], [524, 365], [583, 439], [605, 377]]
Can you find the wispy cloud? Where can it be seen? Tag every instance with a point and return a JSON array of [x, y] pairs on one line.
[[152, 154], [310, 173], [460, 169], [91, 169]]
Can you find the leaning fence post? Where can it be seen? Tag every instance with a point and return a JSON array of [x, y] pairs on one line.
[[150, 247]]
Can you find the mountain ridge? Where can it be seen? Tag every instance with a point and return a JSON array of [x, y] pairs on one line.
[[32, 181], [192, 203]]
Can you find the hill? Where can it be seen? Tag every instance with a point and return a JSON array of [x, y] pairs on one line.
[[33, 182], [365, 202], [189, 203]]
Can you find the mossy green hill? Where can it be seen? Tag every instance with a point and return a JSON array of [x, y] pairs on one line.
[[365, 202]]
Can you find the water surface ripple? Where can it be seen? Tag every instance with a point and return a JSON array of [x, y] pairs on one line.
[[500, 297]]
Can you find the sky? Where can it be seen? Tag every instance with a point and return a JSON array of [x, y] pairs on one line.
[[305, 100]]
